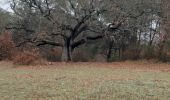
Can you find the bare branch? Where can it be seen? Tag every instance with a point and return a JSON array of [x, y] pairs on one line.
[[84, 40], [18, 27]]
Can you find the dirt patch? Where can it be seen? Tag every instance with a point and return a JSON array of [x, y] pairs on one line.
[[137, 65], [24, 76]]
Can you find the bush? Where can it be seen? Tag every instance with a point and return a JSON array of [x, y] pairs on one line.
[[163, 52], [26, 57], [164, 57], [149, 52], [81, 56], [6, 46], [100, 58], [53, 54], [132, 54]]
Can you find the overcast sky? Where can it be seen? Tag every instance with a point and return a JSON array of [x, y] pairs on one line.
[[4, 4]]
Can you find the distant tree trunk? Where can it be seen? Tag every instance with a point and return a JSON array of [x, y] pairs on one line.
[[67, 52], [109, 51]]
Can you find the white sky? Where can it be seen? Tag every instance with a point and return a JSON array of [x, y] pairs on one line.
[[4, 4]]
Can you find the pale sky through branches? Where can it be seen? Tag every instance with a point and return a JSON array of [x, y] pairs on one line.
[[4, 4]]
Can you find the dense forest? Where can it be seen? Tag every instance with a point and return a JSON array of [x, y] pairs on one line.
[[85, 30]]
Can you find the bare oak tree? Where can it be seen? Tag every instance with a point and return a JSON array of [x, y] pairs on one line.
[[74, 21]]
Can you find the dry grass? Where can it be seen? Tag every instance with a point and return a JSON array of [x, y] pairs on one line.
[[86, 81]]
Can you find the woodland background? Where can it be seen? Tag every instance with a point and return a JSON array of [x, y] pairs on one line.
[[85, 30]]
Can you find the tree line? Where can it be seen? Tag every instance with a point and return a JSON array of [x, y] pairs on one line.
[[123, 29]]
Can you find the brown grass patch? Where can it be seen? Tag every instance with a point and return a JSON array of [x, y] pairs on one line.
[[136, 65]]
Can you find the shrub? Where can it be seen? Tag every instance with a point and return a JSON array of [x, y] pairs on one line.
[[6, 46], [149, 52], [164, 57], [81, 56], [163, 52], [26, 57], [53, 54], [100, 58], [132, 54]]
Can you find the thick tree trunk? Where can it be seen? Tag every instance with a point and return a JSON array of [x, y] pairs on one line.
[[66, 53]]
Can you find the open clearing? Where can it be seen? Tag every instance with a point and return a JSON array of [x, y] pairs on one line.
[[86, 81]]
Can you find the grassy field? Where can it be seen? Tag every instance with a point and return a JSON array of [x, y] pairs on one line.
[[86, 81]]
